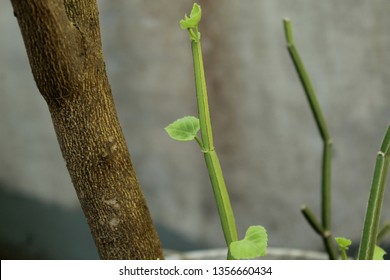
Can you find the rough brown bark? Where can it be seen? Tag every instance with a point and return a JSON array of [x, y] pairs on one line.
[[62, 39]]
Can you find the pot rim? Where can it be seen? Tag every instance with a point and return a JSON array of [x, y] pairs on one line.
[[272, 252]]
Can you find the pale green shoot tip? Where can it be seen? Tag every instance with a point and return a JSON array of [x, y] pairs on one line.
[[343, 243], [191, 23]]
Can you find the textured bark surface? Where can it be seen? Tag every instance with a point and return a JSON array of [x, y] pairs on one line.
[[63, 43]]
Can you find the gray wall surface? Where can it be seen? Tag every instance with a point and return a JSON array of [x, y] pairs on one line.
[[265, 135]]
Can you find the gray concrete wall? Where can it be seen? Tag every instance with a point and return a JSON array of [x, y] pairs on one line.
[[267, 140]]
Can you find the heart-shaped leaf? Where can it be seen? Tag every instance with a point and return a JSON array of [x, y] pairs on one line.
[[379, 253], [184, 129], [253, 245]]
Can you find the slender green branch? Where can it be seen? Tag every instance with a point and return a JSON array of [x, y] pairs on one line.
[[326, 184], [329, 245], [318, 228], [305, 80], [199, 142], [374, 207], [383, 232], [213, 165], [324, 132], [254, 244], [385, 147], [312, 220]]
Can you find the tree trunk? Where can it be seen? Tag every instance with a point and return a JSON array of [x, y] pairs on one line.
[[62, 39]]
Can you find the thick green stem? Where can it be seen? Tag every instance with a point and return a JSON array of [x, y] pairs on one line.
[[325, 135], [374, 207], [221, 197], [217, 180], [216, 176], [201, 94]]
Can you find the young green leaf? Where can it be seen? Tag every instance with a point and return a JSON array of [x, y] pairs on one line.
[[344, 243], [194, 19], [184, 129], [253, 245], [191, 23], [379, 253]]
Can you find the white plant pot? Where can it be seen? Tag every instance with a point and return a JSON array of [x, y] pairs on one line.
[[272, 254]]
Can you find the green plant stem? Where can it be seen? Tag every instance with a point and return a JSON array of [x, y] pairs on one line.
[[374, 207], [318, 228], [324, 132], [305, 80], [221, 196], [326, 184], [383, 232], [312, 220], [213, 165], [343, 255], [201, 94], [199, 142]]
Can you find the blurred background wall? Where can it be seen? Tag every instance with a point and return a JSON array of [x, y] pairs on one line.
[[265, 135]]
